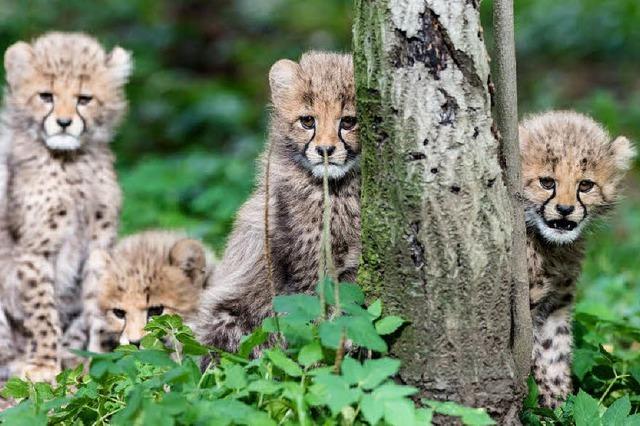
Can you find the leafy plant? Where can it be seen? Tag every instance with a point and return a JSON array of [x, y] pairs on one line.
[[310, 380]]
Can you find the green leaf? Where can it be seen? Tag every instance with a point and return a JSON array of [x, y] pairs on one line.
[[617, 413], [363, 333], [583, 361], [298, 307], [371, 408], [468, 415], [263, 386], [334, 391], [585, 410], [284, 363], [393, 391], [375, 309], [248, 343], [15, 388], [370, 374], [632, 420], [399, 412], [330, 333], [235, 377], [310, 354], [388, 325], [154, 357], [531, 401]]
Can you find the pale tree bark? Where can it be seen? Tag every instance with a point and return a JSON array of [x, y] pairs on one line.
[[437, 219]]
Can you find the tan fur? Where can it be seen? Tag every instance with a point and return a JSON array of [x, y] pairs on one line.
[[321, 86], [60, 198], [568, 148], [150, 273]]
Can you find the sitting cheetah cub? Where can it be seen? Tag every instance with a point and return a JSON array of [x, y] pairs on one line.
[[147, 274], [59, 196], [313, 115], [571, 172]]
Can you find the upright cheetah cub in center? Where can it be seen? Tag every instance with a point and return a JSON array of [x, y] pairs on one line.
[[59, 196], [313, 115], [571, 172]]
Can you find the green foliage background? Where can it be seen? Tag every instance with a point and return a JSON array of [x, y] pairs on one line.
[[186, 153]]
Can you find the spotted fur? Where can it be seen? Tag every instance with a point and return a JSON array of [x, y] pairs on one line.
[[59, 196], [321, 86], [571, 173], [146, 274]]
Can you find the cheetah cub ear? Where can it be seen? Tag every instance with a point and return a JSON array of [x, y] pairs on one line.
[[17, 62], [120, 63], [282, 76], [623, 153], [189, 255]]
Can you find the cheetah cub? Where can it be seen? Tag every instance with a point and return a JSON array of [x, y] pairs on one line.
[[144, 275], [59, 196], [313, 114], [571, 174]]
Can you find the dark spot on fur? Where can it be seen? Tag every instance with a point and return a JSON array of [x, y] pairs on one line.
[[562, 330], [546, 344], [455, 189], [434, 170]]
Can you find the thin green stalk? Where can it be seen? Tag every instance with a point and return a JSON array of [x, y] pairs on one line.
[[267, 240]]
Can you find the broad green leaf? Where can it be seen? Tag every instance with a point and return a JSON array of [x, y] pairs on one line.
[[468, 415], [15, 388], [378, 370], [251, 341], [372, 409], [330, 333], [399, 412], [266, 387], [235, 377], [617, 413], [393, 391], [424, 416], [531, 400], [284, 363], [310, 354], [585, 410], [632, 420], [298, 307], [375, 309], [363, 333], [388, 325], [334, 391], [583, 361]]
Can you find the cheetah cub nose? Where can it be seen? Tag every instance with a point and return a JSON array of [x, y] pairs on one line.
[[63, 122], [565, 210], [321, 150]]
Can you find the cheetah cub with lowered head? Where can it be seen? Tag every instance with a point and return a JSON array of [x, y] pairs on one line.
[[144, 275], [571, 173], [313, 114], [59, 196]]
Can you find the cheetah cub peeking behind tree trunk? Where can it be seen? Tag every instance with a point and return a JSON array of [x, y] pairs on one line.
[[571, 173], [313, 115], [59, 193]]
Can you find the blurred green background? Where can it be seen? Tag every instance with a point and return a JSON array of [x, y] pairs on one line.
[[187, 151]]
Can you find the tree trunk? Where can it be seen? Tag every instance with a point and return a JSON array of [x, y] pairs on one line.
[[437, 219]]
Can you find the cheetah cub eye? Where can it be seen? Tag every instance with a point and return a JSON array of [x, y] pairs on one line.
[[547, 183]]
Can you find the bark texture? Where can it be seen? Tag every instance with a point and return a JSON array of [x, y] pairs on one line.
[[506, 97], [436, 213]]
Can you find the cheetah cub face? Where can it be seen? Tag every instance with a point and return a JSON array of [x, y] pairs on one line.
[[315, 113], [65, 89], [571, 172], [146, 275]]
